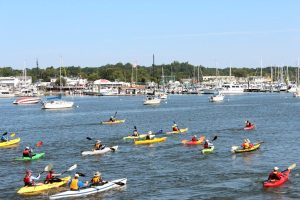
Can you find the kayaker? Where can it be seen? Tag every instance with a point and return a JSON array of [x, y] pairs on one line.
[[28, 152], [97, 180], [135, 133], [207, 144], [76, 184], [194, 138], [174, 127], [98, 145], [248, 124], [247, 144], [29, 179], [4, 138], [275, 174], [148, 136], [112, 119], [52, 177]]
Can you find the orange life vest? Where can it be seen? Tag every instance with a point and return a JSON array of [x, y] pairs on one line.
[[74, 184]]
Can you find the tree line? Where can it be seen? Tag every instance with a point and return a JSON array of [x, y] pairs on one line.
[[141, 74]]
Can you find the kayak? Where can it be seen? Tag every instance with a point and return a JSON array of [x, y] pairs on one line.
[[92, 190], [118, 121], [155, 140], [208, 150], [35, 157], [189, 142], [102, 151], [10, 142], [276, 183], [250, 127], [140, 137], [182, 130], [240, 150], [30, 190]]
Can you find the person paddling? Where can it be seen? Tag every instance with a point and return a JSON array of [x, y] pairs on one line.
[[247, 144], [275, 174], [76, 184], [97, 179], [194, 138], [28, 152], [29, 179], [112, 119], [4, 138], [98, 145], [248, 124], [148, 136], [207, 144], [52, 177], [135, 133], [175, 127]]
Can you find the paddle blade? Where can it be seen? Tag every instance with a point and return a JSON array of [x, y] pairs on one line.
[[80, 174], [12, 135], [39, 144], [215, 138], [88, 138], [135, 127], [72, 167], [48, 168], [115, 114], [233, 148], [292, 166], [119, 183], [4, 133]]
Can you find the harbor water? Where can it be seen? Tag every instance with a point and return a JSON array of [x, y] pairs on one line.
[[168, 170]]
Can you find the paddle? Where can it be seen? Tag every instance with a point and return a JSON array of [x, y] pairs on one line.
[[4, 134], [47, 168], [80, 174], [115, 114], [70, 168], [215, 138], [119, 183], [111, 148]]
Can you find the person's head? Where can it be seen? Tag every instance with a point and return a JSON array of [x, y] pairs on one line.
[[245, 140], [97, 173], [175, 124], [207, 141], [27, 148], [51, 171], [98, 141], [195, 136], [150, 132], [76, 176], [276, 169], [28, 172]]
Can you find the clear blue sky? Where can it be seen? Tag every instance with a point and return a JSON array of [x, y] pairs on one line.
[[95, 33]]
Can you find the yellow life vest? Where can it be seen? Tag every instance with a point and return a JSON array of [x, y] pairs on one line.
[[74, 184], [96, 179]]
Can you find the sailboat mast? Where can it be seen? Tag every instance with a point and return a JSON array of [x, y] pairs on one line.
[[297, 72], [60, 75], [261, 68]]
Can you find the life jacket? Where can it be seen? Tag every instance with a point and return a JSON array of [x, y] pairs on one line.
[[98, 146], [49, 177], [175, 128], [26, 152], [96, 179], [74, 184], [194, 139], [245, 145], [205, 146], [27, 181]]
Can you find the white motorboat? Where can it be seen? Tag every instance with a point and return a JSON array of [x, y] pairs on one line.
[[230, 88], [163, 96], [152, 100], [5, 93], [57, 104], [216, 98], [27, 100]]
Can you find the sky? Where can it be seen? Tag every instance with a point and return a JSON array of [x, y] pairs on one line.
[[212, 33]]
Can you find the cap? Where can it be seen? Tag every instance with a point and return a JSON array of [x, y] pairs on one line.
[[76, 175], [98, 141], [97, 173], [27, 148], [195, 135], [207, 140], [276, 168], [150, 132]]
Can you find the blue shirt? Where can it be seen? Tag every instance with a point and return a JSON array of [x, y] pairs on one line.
[[3, 138], [80, 184]]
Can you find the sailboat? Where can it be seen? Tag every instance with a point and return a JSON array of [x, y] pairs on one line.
[[57, 102]]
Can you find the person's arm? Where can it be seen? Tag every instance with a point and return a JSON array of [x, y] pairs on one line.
[[56, 174], [35, 178], [80, 184]]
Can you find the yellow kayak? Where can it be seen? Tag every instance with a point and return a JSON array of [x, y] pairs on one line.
[[155, 140], [255, 147], [182, 130], [10, 142], [31, 190], [117, 121]]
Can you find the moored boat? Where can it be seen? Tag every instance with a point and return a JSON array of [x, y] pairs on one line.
[[152, 100], [92, 190], [27, 100]]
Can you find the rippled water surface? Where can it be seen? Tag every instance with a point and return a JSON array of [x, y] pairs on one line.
[[167, 170]]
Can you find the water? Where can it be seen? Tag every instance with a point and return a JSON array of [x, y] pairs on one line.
[[167, 170]]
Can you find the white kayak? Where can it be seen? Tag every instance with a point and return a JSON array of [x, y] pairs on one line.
[[102, 151], [91, 190]]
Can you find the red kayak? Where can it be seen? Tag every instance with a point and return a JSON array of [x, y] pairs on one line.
[[250, 127], [276, 183]]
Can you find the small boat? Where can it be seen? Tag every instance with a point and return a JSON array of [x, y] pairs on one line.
[[35, 157], [190, 142], [92, 190], [152, 100], [181, 130], [57, 104], [249, 127], [151, 141], [10, 142], [208, 150], [216, 98], [279, 182], [27, 100], [236, 149], [40, 187], [140, 137], [117, 121], [102, 151]]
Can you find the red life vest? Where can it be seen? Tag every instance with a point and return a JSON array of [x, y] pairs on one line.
[[49, 177], [27, 180], [26, 152]]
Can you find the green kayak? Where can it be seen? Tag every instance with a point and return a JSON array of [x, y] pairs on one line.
[[35, 157], [208, 150]]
